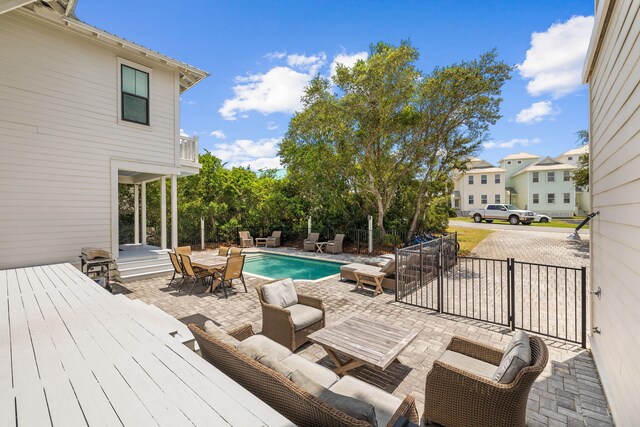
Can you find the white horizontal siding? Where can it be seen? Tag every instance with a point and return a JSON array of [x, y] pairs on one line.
[[59, 132], [615, 192]]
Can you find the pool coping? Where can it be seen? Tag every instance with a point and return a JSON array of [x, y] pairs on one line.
[[259, 251]]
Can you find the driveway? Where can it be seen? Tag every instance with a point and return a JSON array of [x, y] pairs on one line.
[[503, 226]]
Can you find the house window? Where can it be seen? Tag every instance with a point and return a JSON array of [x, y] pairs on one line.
[[483, 199], [470, 179], [496, 178], [567, 197], [483, 179], [569, 158], [519, 161], [551, 198], [566, 176], [536, 177], [471, 199], [551, 176], [135, 95], [508, 162], [536, 198], [496, 199]]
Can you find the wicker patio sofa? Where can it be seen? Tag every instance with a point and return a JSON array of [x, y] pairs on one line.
[[462, 390], [296, 387]]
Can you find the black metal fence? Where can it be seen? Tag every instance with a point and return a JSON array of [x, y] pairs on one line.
[[544, 299]]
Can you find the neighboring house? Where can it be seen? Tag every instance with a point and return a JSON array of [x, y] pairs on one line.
[[612, 72], [545, 186], [81, 111], [514, 163], [482, 183], [583, 198]]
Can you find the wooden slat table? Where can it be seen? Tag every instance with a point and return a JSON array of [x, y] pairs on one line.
[[370, 278], [363, 341], [208, 260], [72, 354]]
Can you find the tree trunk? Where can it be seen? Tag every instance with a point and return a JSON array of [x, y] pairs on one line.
[[416, 215], [381, 212]]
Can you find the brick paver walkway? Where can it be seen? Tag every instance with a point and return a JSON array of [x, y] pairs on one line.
[[567, 393]]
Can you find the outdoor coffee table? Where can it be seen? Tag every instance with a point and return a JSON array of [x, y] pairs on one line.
[[320, 245], [261, 241], [375, 279], [363, 341]]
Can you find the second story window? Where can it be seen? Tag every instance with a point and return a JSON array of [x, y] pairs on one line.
[[551, 177], [135, 95], [566, 176], [470, 179], [496, 179], [536, 176], [483, 179], [536, 198]]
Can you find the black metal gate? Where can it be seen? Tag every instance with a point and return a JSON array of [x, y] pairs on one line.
[[548, 300]]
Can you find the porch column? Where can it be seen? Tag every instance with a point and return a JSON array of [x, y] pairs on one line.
[[136, 214], [174, 211], [163, 212], [143, 221]]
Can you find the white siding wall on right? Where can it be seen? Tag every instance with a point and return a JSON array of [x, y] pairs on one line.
[[614, 98]]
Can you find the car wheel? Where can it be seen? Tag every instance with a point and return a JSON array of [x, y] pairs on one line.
[[477, 218], [489, 220], [513, 220], [544, 220]]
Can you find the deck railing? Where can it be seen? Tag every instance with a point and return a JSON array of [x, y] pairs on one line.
[[189, 149]]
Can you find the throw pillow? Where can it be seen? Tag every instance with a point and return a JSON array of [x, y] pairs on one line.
[[353, 407], [219, 333], [517, 355]]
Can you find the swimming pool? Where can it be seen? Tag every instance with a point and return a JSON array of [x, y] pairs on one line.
[[279, 266]]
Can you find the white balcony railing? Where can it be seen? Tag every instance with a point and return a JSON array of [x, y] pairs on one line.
[[189, 149]]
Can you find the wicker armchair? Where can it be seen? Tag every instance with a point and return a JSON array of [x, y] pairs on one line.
[[273, 241], [454, 397], [277, 323], [310, 242], [335, 246]]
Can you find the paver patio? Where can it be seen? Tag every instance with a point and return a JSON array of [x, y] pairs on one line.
[[567, 393]]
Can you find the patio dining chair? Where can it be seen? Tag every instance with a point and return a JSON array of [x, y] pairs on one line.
[[177, 269], [193, 274], [223, 251], [235, 251], [182, 250], [232, 270]]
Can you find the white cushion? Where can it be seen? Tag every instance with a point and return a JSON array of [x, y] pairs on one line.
[[385, 404], [517, 355], [257, 346], [281, 293], [214, 330], [468, 364], [303, 315], [321, 375]]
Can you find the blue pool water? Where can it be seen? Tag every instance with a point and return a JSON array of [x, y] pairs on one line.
[[281, 266]]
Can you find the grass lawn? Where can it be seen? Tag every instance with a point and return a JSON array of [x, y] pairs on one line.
[[469, 237], [557, 223]]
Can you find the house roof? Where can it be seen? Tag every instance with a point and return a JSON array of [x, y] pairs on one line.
[[576, 151], [486, 170], [65, 11], [521, 156], [545, 164]]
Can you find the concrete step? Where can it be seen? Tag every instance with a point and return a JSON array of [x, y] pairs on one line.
[[143, 269]]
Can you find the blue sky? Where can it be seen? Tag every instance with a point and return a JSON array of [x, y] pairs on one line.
[[261, 53]]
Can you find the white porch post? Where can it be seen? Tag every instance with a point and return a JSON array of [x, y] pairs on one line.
[[136, 213], [174, 211], [163, 213], [143, 222]]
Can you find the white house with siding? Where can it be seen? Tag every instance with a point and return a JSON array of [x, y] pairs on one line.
[[82, 110], [613, 75], [482, 183], [572, 157], [514, 163]]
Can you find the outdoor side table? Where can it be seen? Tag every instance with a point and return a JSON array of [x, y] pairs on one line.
[[261, 241], [320, 246], [374, 279]]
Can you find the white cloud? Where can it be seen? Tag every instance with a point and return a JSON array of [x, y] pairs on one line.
[[556, 56], [536, 113], [524, 142], [245, 152], [183, 133], [218, 134], [272, 125], [348, 60], [311, 63], [275, 55]]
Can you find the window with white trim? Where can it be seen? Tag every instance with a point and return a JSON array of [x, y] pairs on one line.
[[483, 199], [551, 198], [535, 176], [134, 91], [496, 199], [496, 178], [536, 198], [567, 197], [471, 199], [566, 176], [470, 179], [483, 179], [551, 177]]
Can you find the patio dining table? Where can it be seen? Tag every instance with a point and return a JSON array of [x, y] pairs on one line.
[[208, 261]]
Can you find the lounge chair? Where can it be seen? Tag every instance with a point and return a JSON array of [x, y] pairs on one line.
[[274, 240], [288, 318], [385, 264], [310, 242], [334, 246], [232, 270], [472, 384], [246, 241]]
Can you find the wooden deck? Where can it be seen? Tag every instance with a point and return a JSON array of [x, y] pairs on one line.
[[72, 354]]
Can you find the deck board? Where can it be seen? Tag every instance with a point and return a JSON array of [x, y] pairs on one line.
[[74, 355]]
